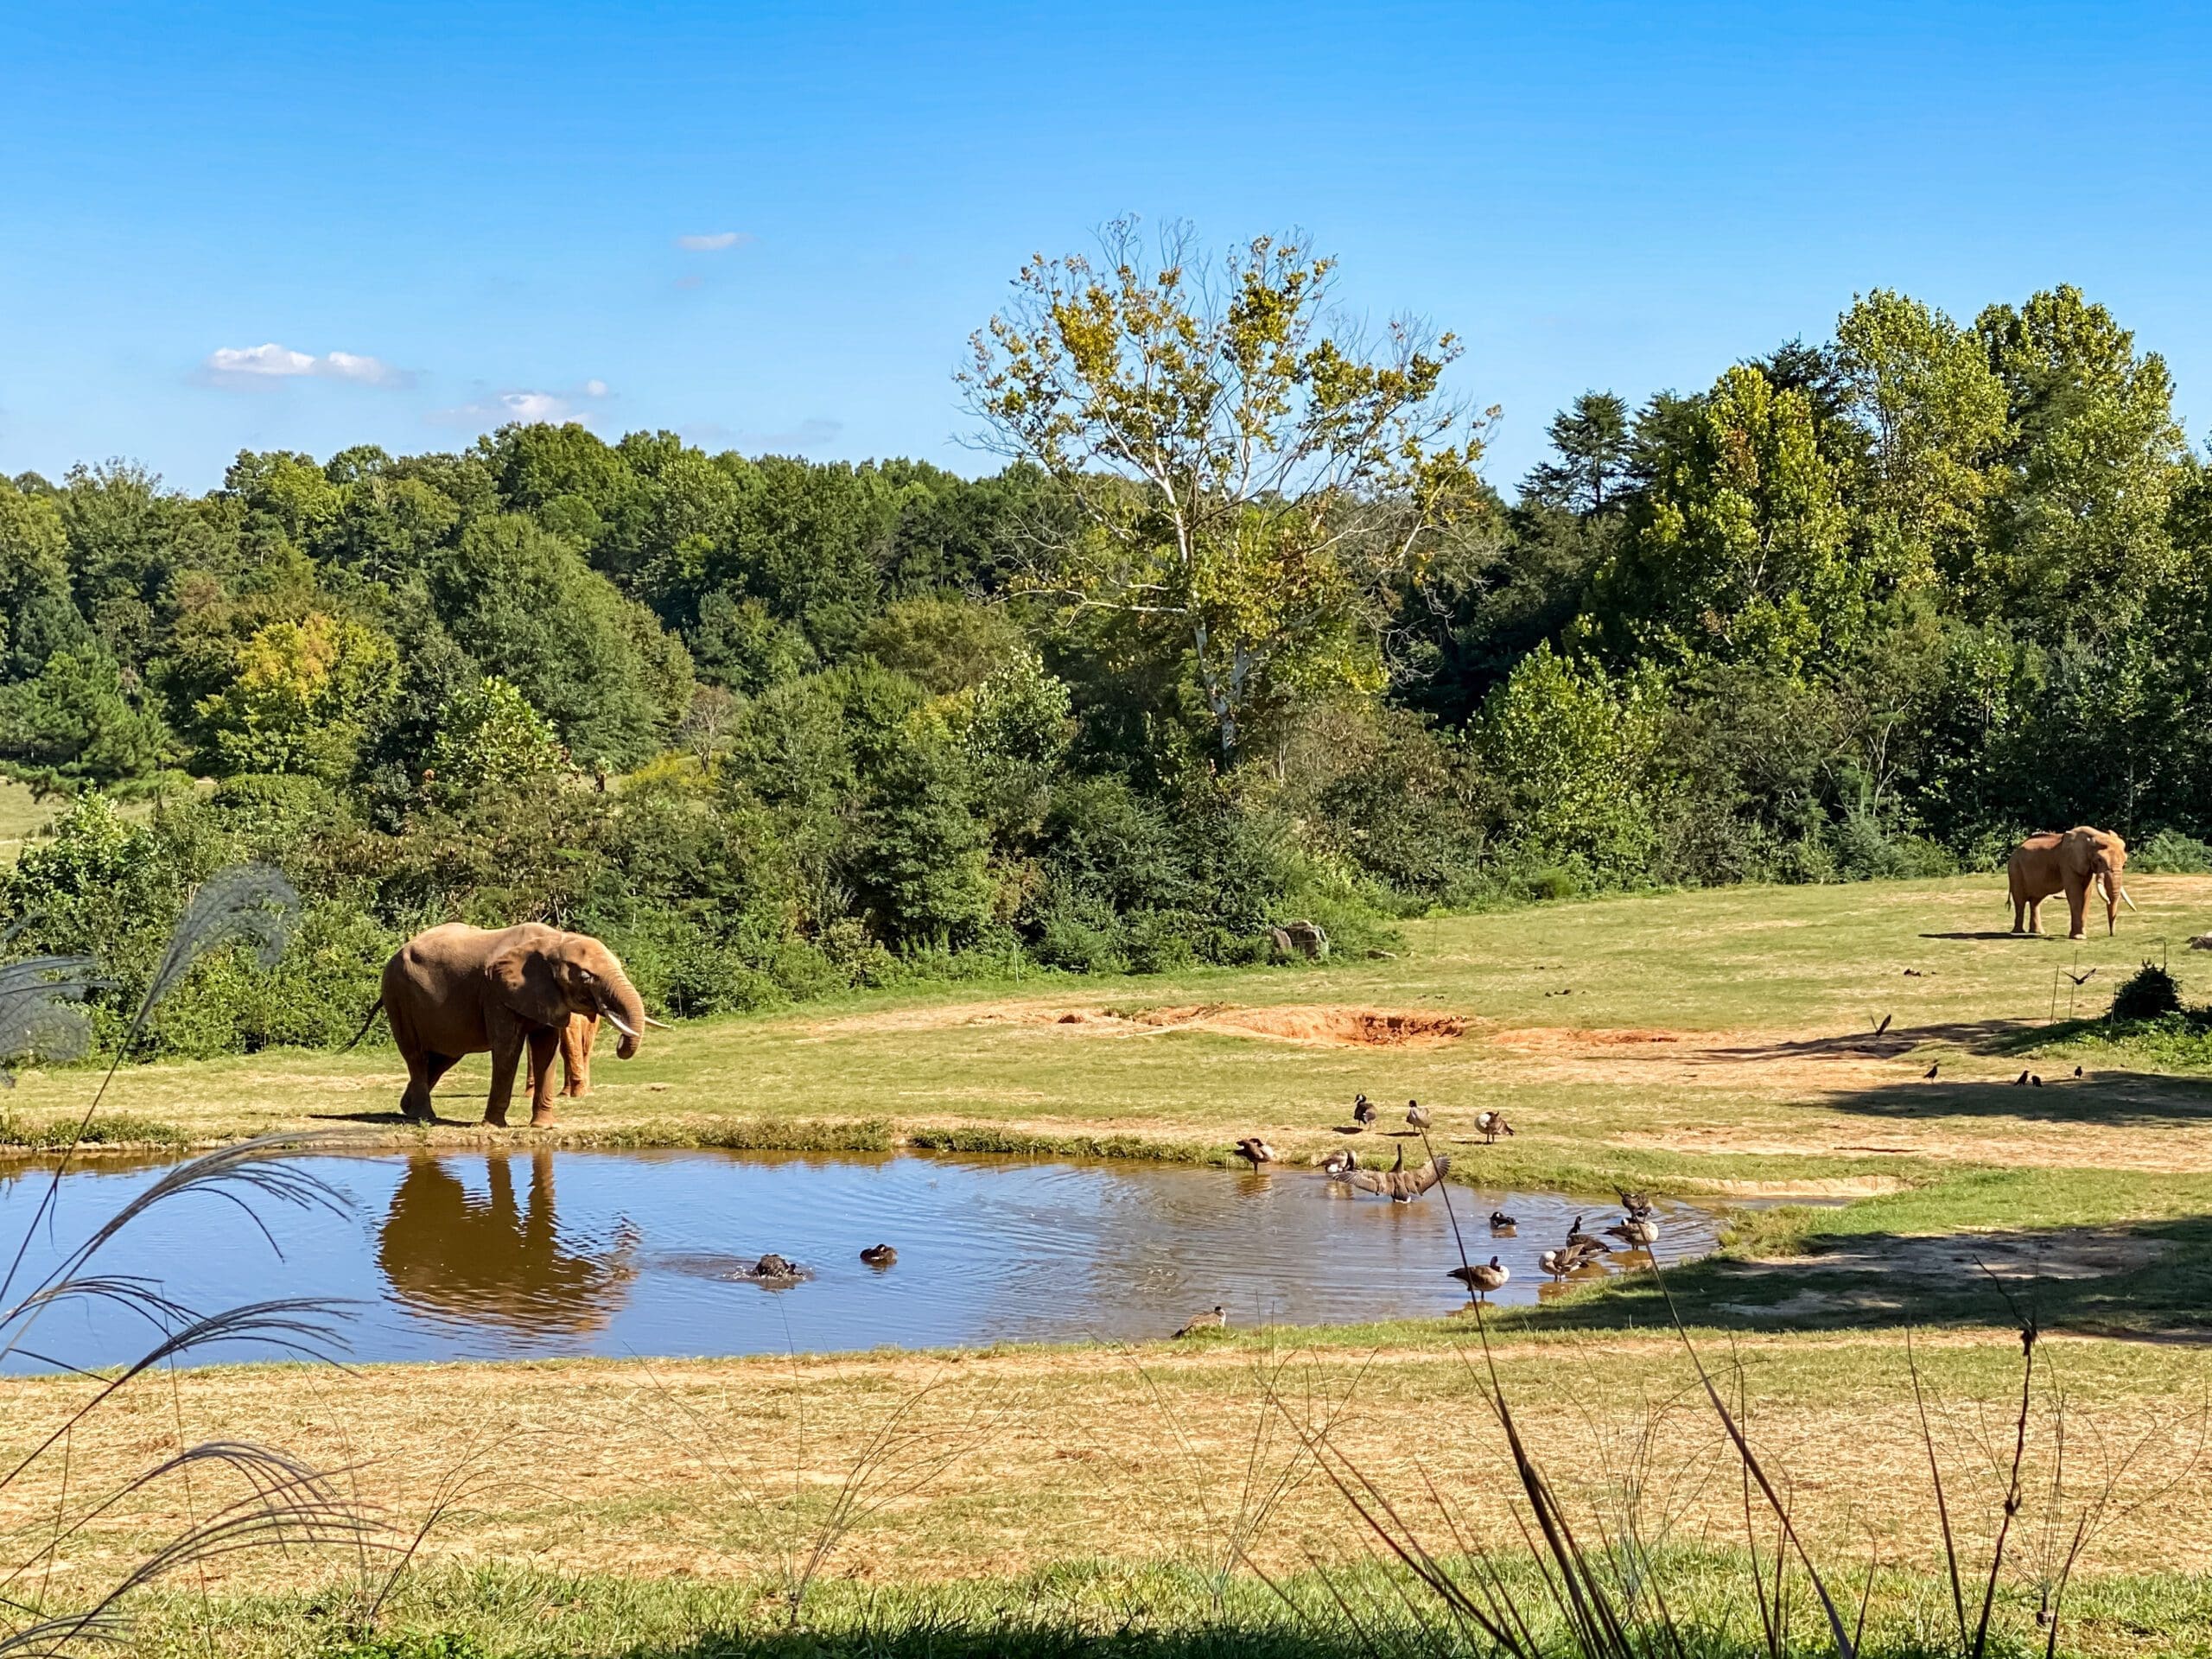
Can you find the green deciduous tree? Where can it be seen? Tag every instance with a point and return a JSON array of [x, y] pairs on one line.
[[1257, 486], [304, 696], [1739, 551]]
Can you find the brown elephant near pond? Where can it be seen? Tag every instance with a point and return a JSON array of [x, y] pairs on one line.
[[2070, 863], [457, 990]]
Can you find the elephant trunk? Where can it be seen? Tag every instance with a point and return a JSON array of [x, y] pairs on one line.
[[624, 1009]]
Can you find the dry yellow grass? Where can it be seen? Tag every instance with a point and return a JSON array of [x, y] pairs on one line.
[[714, 1467]]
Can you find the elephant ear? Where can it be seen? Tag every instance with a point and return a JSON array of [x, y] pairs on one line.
[[523, 979]]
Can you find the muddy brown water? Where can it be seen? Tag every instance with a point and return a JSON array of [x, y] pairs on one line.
[[501, 1256]]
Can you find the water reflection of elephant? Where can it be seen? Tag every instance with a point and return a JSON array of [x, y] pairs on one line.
[[493, 1260]]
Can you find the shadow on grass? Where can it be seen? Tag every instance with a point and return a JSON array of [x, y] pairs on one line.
[[1977, 1036], [2121, 1099], [2148, 1279]]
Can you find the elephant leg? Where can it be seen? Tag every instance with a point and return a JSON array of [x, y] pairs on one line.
[[507, 1054], [2077, 906], [576, 1038], [544, 1046]]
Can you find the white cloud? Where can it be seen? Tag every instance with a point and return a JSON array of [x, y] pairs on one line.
[[246, 365], [713, 241], [528, 406]]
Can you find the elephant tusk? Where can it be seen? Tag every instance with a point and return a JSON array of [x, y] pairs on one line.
[[2125, 900], [619, 1023], [659, 1025]]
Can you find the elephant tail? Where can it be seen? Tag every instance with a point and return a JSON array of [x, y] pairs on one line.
[[375, 1008]]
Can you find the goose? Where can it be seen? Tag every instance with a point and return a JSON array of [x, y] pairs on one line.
[[1256, 1150], [1363, 1110], [879, 1255], [1555, 1263], [1501, 1222], [1491, 1125], [1417, 1115], [1637, 1203], [1216, 1319], [1340, 1163], [1399, 1183], [1483, 1278], [1638, 1232]]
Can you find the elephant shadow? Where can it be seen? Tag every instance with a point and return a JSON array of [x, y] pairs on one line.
[[494, 1261]]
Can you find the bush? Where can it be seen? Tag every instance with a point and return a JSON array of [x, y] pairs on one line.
[[2171, 852], [2150, 994]]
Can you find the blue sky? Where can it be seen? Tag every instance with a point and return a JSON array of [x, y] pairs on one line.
[[445, 214]]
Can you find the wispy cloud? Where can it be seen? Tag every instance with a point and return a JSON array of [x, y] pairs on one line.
[[526, 406], [259, 365], [712, 241], [807, 435]]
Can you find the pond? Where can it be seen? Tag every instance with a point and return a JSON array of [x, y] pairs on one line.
[[501, 1255]]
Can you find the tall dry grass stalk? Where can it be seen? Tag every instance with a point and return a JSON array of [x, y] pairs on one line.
[[281, 1503]]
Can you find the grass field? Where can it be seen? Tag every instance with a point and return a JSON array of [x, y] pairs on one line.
[[1720, 1043]]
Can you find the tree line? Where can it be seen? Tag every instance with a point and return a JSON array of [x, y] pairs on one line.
[[1238, 633]]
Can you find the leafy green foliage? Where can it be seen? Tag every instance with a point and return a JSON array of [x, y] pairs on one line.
[[1239, 637]]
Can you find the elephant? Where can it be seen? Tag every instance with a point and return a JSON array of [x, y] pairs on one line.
[[576, 1038], [495, 1259], [2071, 863], [457, 989]]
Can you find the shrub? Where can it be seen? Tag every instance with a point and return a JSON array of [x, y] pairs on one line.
[[2150, 994], [2171, 852]]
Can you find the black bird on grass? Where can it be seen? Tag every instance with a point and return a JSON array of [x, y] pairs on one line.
[[1929, 1076], [2036, 1081], [2078, 1071], [1884, 1025], [2020, 1081]]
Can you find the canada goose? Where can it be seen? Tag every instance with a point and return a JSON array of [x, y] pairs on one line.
[[1256, 1150], [1417, 1115], [1553, 1263], [1363, 1111], [879, 1255], [1914, 973], [1637, 1203], [1217, 1319], [772, 1266], [1574, 1234], [1637, 1232], [1500, 1221], [1491, 1125], [2020, 1081], [1929, 1076], [1340, 1163], [1482, 1278], [1399, 1183]]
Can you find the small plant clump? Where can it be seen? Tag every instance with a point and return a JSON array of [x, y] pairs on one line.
[[2151, 993]]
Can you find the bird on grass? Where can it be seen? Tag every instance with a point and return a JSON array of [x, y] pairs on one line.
[[1884, 1025], [1482, 1278], [2078, 1071], [1914, 973], [1255, 1151], [1398, 1184], [1417, 1115], [2021, 1081], [879, 1256], [1215, 1318], [1501, 1222], [1491, 1125], [1363, 1110], [2036, 1081], [1929, 1076]]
